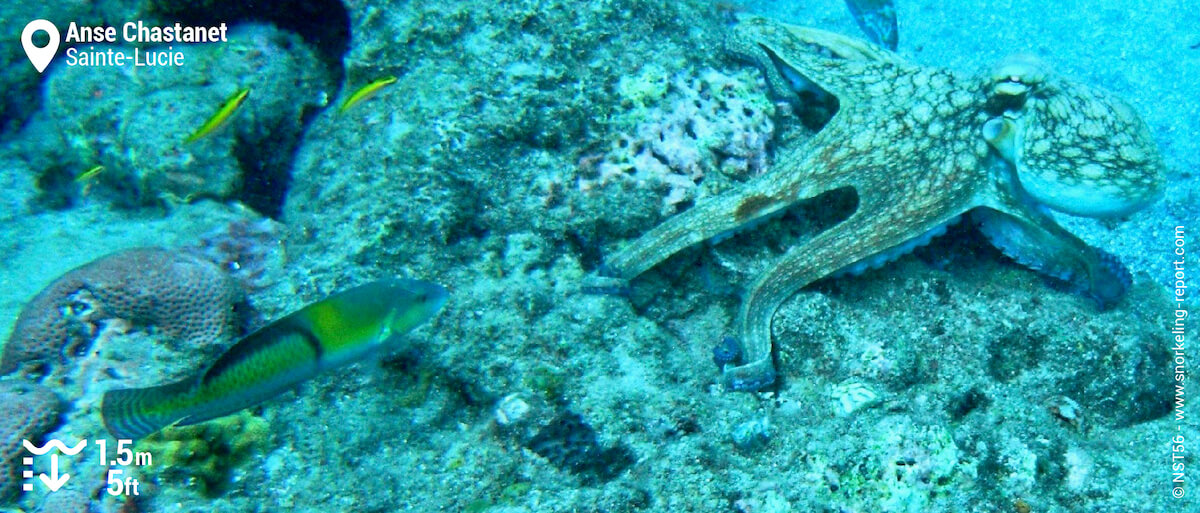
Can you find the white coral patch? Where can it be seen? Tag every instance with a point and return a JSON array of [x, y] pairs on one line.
[[511, 410], [1079, 468], [850, 397], [702, 123]]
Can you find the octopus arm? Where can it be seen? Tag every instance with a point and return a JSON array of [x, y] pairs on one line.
[[716, 218], [878, 226], [806, 59], [1033, 240]]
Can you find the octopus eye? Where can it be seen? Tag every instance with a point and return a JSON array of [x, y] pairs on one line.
[[1013, 81], [1025, 70]]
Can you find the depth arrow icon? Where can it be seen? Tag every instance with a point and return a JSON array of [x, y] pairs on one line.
[[57, 481]]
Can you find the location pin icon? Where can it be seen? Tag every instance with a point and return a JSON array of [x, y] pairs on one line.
[[40, 57]]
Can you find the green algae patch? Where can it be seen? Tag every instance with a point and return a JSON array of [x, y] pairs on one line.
[[547, 381], [204, 456]]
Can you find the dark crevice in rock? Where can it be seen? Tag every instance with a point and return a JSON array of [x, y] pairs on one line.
[[266, 176]]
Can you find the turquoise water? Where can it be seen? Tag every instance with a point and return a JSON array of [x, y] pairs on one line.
[[516, 153]]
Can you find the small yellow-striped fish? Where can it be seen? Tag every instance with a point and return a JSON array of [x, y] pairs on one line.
[[89, 174], [365, 92], [221, 116], [340, 329]]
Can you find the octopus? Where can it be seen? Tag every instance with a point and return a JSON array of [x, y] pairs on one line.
[[920, 148]]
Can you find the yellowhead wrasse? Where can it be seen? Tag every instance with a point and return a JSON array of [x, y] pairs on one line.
[[338, 330], [88, 178], [89, 174], [221, 116], [366, 91]]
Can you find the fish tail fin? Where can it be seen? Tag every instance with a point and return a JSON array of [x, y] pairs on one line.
[[134, 413]]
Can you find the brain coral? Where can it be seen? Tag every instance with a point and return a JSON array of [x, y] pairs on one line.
[[184, 295], [30, 411]]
